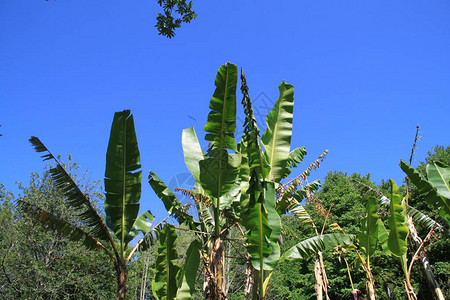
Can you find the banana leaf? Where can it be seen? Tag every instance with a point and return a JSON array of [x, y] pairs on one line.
[[164, 284], [122, 180], [383, 237], [310, 247], [429, 190], [439, 176], [368, 234], [294, 159], [73, 195], [63, 227], [263, 225], [277, 137], [397, 223], [188, 273], [221, 124], [142, 225], [193, 152], [170, 201], [218, 173]]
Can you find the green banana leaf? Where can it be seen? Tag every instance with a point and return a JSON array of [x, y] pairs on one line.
[[64, 228], [277, 137], [122, 180], [142, 225], [171, 202], [193, 152], [294, 159], [439, 176], [73, 195], [383, 237], [218, 173], [434, 196], [397, 223], [263, 225], [164, 284], [368, 234], [310, 247], [188, 273], [221, 124]]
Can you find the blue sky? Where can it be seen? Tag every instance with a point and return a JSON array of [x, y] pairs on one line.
[[365, 74]]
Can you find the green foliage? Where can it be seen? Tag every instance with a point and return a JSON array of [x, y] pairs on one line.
[[175, 13], [41, 264]]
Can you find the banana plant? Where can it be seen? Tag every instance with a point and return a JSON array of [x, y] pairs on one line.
[[398, 234], [123, 191], [416, 243]]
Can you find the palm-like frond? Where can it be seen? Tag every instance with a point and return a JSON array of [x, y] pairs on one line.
[[63, 227], [74, 196]]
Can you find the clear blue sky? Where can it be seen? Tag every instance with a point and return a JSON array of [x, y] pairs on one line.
[[365, 74]]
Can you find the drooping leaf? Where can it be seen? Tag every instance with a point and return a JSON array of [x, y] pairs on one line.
[[193, 152], [309, 247], [122, 180], [277, 137], [73, 195], [164, 284], [63, 227], [188, 273], [428, 190], [368, 234], [171, 202], [142, 225], [422, 219], [397, 223], [221, 124]]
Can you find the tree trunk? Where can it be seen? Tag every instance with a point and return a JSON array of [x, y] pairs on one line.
[[248, 280], [370, 284], [321, 280], [318, 280], [416, 241], [215, 284], [122, 274]]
